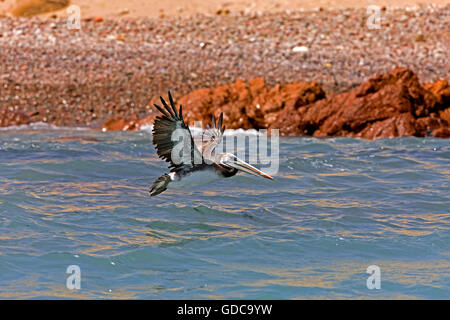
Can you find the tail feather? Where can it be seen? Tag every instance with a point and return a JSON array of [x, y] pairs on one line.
[[160, 185]]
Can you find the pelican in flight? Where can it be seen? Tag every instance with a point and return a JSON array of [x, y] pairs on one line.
[[191, 165]]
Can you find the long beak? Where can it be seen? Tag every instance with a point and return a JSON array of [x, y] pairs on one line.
[[244, 166]]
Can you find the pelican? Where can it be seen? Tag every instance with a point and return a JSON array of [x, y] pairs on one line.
[[197, 165]]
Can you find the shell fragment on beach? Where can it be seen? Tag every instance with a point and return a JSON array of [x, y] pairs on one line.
[[300, 49]]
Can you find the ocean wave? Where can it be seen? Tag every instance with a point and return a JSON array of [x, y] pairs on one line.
[[146, 128], [229, 132]]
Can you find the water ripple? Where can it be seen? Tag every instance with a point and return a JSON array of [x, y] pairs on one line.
[[335, 207]]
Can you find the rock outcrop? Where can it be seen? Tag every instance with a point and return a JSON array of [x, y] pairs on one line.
[[248, 106], [390, 105]]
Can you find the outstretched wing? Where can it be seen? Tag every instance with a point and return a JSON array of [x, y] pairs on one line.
[[212, 136], [173, 138]]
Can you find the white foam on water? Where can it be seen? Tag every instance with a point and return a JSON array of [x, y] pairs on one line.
[[41, 126], [228, 132], [148, 128]]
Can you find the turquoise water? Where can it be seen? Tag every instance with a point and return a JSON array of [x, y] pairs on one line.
[[336, 207]]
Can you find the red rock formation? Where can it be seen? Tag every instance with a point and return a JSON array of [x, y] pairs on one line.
[[443, 132], [401, 125], [385, 106], [268, 103], [247, 106], [202, 104], [445, 115], [441, 91], [391, 105]]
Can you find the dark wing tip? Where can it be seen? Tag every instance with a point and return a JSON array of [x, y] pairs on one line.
[[219, 124], [167, 107], [172, 104], [161, 110]]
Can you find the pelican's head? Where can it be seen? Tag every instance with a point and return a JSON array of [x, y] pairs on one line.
[[231, 161]]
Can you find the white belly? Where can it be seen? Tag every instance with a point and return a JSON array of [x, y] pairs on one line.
[[195, 178]]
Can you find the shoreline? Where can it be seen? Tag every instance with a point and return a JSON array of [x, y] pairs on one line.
[[389, 105], [118, 68]]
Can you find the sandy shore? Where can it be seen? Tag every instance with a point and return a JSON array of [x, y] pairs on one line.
[[114, 67], [112, 9]]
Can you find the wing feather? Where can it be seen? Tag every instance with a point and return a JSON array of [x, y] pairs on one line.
[[165, 140], [212, 136]]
